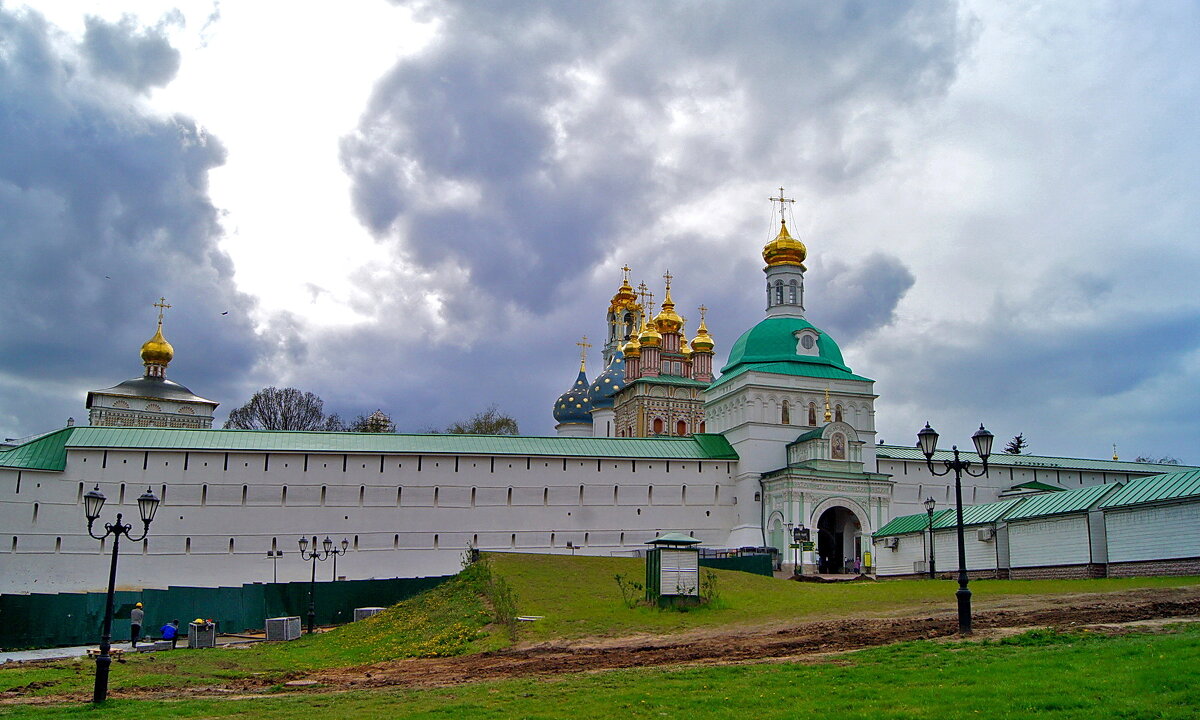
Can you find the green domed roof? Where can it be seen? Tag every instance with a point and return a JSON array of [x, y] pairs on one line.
[[773, 340]]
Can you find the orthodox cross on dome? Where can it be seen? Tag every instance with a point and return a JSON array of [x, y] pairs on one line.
[[828, 415], [625, 269], [702, 310], [783, 201], [161, 305], [668, 277], [583, 348]]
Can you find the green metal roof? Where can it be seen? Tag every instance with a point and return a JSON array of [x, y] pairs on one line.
[[906, 524], [810, 435], [1172, 486], [49, 452], [823, 372], [670, 380], [905, 452], [673, 538], [1068, 501], [977, 514], [43, 453], [773, 339], [1037, 485]]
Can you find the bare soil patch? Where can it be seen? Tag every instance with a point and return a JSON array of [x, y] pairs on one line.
[[1145, 609]]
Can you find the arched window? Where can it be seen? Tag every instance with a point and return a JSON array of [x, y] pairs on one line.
[[792, 292], [812, 414], [778, 292], [658, 426], [681, 428], [837, 413], [785, 414], [701, 426]]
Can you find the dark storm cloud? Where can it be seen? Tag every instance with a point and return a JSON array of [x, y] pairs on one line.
[[103, 208], [141, 58], [570, 125], [854, 299]]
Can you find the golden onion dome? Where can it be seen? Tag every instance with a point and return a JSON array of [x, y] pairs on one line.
[[157, 351], [649, 337], [623, 298], [685, 349], [667, 320], [784, 249], [703, 342], [632, 348]]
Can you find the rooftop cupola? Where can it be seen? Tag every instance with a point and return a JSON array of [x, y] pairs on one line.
[[157, 353], [785, 268]]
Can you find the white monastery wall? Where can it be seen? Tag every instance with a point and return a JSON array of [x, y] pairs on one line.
[[981, 555], [1156, 532], [910, 549], [1049, 541], [404, 515]]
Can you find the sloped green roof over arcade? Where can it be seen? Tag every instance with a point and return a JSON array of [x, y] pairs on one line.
[[1158, 488]]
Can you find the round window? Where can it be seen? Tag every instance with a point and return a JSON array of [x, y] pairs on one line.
[[807, 342]]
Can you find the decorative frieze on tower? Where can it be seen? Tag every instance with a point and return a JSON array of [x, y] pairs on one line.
[[151, 400]]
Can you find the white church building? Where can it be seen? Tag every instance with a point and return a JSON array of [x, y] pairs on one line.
[[783, 437]]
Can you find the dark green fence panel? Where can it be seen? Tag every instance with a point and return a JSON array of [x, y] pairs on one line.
[[49, 620], [757, 564]]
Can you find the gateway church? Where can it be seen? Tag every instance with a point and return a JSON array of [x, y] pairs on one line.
[[782, 437]]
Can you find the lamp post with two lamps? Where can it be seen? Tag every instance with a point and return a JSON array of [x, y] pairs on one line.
[[326, 551], [93, 502], [928, 438], [929, 505]]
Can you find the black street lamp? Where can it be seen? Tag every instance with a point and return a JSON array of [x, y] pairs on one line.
[[93, 501], [928, 438], [929, 505], [326, 551]]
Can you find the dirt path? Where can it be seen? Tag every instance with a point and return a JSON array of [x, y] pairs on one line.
[[801, 639]]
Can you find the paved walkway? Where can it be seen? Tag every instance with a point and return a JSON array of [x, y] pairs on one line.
[[63, 653]]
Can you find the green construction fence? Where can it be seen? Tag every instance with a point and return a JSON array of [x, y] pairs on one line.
[[39, 620]]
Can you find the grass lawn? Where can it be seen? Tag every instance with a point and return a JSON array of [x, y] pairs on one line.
[[1041, 674], [579, 597]]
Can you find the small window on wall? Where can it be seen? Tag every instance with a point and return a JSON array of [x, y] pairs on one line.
[[681, 428], [785, 414], [837, 413], [658, 426], [812, 414]]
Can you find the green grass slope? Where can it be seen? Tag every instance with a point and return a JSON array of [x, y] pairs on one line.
[[578, 596], [1047, 676]]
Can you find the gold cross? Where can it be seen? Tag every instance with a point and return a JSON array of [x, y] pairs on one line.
[[781, 200], [161, 305], [828, 415], [668, 277], [625, 269], [583, 346], [702, 311]]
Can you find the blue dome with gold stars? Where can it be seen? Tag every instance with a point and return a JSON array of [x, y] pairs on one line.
[[610, 382], [573, 407]]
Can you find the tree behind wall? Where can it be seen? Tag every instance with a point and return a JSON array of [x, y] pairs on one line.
[[1017, 445], [487, 422], [376, 422], [283, 409]]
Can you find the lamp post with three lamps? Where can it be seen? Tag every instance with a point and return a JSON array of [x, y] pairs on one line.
[[326, 551], [93, 502], [928, 438], [929, 505]]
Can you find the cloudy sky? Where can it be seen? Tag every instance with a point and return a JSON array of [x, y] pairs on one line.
[[421, 207]]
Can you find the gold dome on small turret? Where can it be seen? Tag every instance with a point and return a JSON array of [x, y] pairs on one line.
[[632, 348], [156, 350], [625, 297], [703, 342], [784, 249], [667, 320], [649, 336], [685, 349]]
